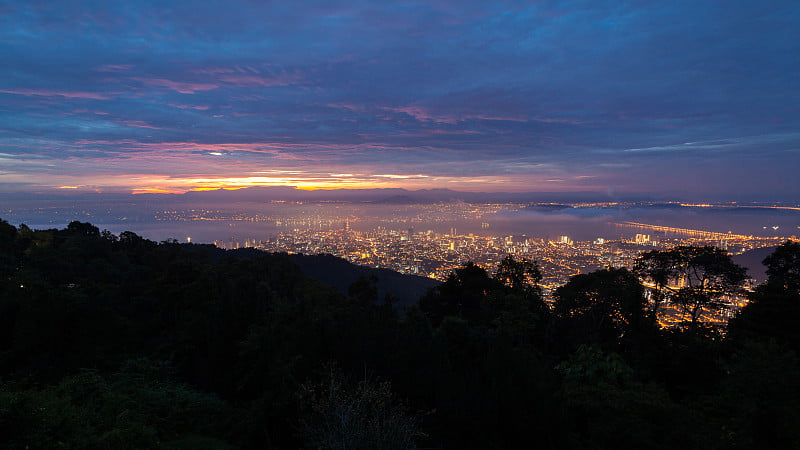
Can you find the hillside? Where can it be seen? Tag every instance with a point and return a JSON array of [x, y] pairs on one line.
[[340, 274], [115, 341]]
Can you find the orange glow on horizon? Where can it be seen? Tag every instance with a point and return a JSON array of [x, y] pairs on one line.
[[184, 186], [147, 190], [306, 179], [307, 184]]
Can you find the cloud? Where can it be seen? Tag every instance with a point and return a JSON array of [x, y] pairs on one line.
[[427, 115], [197, 107], [244, 80], [137, 124], [602, 95], [51, 93], [178, 86], [114, 67]]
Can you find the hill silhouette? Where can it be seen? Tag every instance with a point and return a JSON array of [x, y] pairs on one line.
[[115, 341], [340, 274]]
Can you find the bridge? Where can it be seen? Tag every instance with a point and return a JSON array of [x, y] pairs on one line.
[[701, 234]]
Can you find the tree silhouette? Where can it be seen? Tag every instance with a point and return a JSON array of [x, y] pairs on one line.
[[522, 275], [783, 266], [705, 275], [695, 278], [83, 229], [773, 311], [339, 414], [599, 308], [657, 267], [464, 294]]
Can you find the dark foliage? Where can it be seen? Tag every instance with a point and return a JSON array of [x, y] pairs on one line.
[[774, 308], [120, 342], [602, 308], [696, 279]]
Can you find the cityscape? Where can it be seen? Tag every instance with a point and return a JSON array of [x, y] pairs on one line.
[[436, 255], [483, 224], [433, 239]]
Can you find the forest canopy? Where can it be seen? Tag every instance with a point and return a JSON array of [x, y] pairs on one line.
[[116, 341]]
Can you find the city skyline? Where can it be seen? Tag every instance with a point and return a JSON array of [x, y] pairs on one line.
[[683, 99]]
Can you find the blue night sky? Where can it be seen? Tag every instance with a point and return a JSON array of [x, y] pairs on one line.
[[665, 97]]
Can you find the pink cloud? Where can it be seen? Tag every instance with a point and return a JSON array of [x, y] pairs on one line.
[[86, 111], [104, 142], [425, 115], [256, 80], [350, 106], [137, 124], [557, 120], [454, 132], [197, 107], [50, 93], [421, 114], [284, 151], [214, 70], [183, 88], [113, 68], [422, 133], [504, 118]]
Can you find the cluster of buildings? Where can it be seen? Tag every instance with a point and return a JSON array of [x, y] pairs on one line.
[[436, 255]]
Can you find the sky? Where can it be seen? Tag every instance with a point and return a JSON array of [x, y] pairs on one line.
[[664, 97]]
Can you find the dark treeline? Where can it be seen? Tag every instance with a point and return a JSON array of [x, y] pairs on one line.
[[119, 342]]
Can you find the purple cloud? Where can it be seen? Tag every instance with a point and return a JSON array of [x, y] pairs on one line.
[[512, 93]]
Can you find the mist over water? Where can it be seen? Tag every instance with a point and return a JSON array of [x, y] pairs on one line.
[[261, 221], [590, 223]]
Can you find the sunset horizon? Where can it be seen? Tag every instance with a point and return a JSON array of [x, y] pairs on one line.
[[683, 98]]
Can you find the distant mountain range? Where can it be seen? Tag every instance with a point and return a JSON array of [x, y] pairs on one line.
[[260, 194], [287, 193]]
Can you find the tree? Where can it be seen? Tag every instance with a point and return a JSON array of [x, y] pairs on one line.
[[773, 311], [598, 308], [757, 400], [698, 277], [464, 294], [659, 268], [83, 229], [339, 415], [706, 275], [364, 291], [9, 252], [783, 266], [612, 409], [522, 275], [470, 293]]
